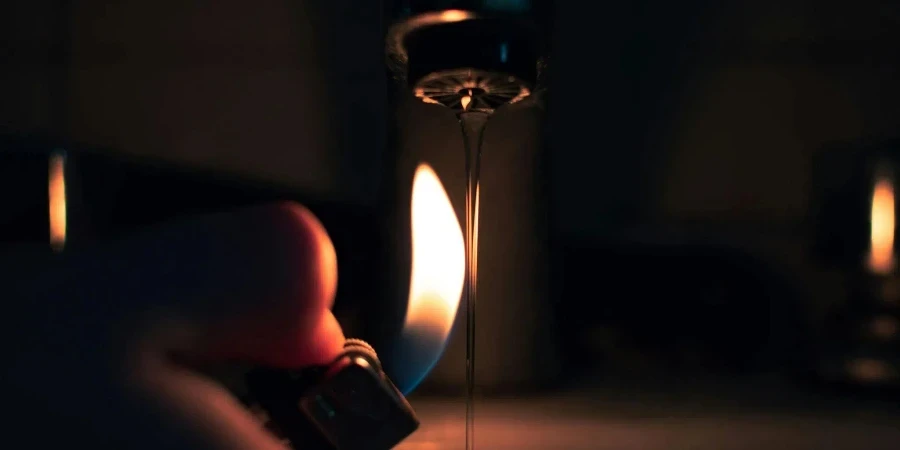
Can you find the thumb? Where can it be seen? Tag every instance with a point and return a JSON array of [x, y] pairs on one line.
[[290, 277], [254, 285]]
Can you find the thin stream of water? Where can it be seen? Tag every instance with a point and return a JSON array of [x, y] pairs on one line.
[[472, 124]]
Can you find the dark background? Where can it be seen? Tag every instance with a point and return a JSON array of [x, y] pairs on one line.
[[683, 138], [666, 112], [668, 116]]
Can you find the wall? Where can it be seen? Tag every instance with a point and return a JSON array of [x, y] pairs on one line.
[[713, 113], [274, 90], [692, 111], [32, 61]]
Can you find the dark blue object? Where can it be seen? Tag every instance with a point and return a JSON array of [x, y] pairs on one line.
[[348, 405]]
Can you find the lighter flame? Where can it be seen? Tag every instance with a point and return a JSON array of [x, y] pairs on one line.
[[57, 201], [438, 258], [883, 224]]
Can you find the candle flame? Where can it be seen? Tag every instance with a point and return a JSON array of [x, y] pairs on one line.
[[883, 225], [57, 201]]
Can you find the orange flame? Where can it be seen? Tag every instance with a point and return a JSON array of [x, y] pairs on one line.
[[883, 225], [455, 15], [438, 260], [465, 100], [57, 201]]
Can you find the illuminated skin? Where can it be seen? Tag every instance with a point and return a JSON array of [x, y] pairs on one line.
[[90, 337]]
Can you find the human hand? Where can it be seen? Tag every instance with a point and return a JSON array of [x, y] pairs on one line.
[[95, 339]]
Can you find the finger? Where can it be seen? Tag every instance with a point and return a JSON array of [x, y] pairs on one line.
[[265, 259], [280, 277], [252, 283], [287, 326], [189, 411], [213, 417]]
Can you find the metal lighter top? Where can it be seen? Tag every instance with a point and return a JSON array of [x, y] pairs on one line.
[[349, 404]]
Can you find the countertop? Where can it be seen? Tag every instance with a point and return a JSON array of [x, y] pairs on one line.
[[713, 417]]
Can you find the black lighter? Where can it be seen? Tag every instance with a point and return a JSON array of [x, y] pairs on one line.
[[349, 404]]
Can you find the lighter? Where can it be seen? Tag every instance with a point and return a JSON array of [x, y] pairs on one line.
[[349, 404]]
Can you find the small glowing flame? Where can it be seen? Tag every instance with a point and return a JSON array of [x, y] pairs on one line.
[[465, 100], [455, 15], [57, 201], [883, 225], [438, 258]]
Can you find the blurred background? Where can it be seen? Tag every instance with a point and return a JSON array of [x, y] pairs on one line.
[[684, 235]]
